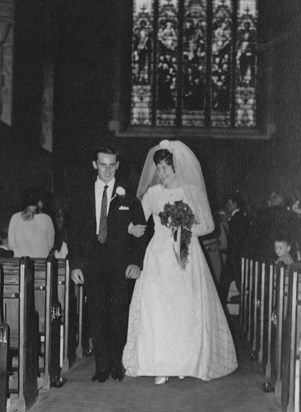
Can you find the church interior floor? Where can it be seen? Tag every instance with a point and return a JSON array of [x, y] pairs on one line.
[[238, 392]]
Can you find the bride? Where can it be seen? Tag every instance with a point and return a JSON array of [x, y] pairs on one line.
[[177, 326]]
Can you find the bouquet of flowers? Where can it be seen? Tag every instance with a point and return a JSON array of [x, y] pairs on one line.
[[179, 218]]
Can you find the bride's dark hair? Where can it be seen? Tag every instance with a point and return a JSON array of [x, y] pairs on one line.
[[163, 155]]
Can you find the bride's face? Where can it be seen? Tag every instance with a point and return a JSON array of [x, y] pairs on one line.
[[167, 175]]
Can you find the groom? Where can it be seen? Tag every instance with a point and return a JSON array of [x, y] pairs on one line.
[[105, 257]]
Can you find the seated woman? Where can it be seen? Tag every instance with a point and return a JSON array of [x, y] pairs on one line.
[[31, 233]]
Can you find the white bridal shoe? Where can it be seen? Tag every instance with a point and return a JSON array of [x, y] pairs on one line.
[[160, 380]]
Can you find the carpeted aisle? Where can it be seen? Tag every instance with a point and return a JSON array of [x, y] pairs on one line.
[[239, 392]]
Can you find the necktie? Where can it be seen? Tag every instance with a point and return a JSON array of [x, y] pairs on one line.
[[102, 232]]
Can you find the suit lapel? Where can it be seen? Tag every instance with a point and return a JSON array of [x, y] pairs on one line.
[[113, 199]]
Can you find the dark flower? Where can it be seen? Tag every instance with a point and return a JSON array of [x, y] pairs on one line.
[[175, 216]]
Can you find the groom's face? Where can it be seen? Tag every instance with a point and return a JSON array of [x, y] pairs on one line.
[[106, 166]]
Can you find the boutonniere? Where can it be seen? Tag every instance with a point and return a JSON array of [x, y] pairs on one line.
[[120, 192]]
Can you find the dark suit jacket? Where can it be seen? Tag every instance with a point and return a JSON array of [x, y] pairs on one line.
[[120, 248], [238, 227], [269, 223]]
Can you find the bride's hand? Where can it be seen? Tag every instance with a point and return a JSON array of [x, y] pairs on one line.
[[136, 230]]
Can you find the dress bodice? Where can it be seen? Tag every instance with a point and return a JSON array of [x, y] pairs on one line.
[[154, 201]]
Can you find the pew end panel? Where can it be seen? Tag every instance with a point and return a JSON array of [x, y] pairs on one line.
[[19, 295], [4, 344]]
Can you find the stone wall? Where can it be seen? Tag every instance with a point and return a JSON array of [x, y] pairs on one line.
[[7, 12]]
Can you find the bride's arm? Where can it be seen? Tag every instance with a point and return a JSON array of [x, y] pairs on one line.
[[202, 229]]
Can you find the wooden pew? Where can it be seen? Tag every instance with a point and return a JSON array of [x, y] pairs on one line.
[[261, 306], [4, 343], [255, 307], [267, 322], [63, 296], [258, 306], [49, 309], [297, 378], [70, 297], [248, 300], [274, 351], [279, 312], [270, 316], [49, 314], [290, 400], [244, 296], [23, 321]]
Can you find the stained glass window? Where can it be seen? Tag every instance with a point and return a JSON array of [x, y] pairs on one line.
[[194, 63]]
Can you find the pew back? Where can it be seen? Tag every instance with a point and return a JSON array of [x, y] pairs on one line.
[[4, 342], [23, 321]]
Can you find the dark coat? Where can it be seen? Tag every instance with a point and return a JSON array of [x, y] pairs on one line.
[[238, 228], [120, 248], [268, 225]]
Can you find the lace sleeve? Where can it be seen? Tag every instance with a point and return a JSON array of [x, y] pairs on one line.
[[202, 229]]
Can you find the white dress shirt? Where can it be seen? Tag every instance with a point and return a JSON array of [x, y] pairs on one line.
[[99, 188]]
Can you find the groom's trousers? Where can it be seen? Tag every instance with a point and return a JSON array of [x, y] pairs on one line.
[[108, 294]]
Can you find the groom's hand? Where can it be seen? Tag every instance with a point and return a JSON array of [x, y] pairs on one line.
[[136, 230], [77, 276], [132, 272]]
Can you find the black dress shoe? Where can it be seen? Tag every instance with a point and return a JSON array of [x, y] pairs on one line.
[[118, 373], [101, 376]]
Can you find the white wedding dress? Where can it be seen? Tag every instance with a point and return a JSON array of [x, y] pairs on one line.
[[177, 326]]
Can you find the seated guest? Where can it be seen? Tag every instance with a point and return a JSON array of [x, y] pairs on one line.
[[269, 221], [282, 249], [31, 233], [238, 225], [4, 250]]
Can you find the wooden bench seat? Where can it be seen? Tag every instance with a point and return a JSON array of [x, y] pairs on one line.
[[71, 300], [270, 318], [49, 314], [290, 349], [18, 298], [49, 309], [4, 343]]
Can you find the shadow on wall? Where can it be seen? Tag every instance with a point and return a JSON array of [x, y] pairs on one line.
[[21, 166]]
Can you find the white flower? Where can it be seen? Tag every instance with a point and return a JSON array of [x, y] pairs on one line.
[[164, 144], [120, 191]]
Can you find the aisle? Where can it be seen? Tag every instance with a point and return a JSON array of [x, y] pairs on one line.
[[239, 392]]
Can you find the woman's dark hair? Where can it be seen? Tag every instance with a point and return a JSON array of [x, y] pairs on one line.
[[283, 236], [32, 196], [163, 155]]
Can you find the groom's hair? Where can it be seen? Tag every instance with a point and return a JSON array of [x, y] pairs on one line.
[[106, 150], [163, 155]]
